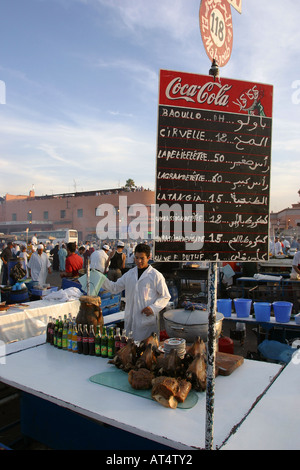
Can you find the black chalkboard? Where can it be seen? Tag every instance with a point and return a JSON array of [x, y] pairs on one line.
[[212, 184]]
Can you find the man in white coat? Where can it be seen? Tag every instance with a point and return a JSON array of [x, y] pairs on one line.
[[146, 294], [39, 266]]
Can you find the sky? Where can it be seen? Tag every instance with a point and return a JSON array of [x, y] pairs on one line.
[[79, 87]]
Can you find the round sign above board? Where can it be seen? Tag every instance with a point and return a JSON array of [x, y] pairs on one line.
[[216, 29]]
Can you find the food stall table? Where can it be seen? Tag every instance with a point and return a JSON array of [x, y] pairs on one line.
[[58, 397], [274, 423], [291, 325], [22, 321]]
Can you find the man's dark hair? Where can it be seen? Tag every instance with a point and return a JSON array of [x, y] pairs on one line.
[[71, 247], [143, 248]]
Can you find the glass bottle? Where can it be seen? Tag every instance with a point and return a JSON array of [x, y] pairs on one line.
[[55, 332], [85, 340], [117, 339], [70, 331], [48, 330], [79, 339], [74, 338], [111, 344], [91, 341], [104, 342], [65, 334], [98, 342], [59, 333]]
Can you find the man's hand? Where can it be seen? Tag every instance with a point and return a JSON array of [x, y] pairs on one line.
[[147, 311]]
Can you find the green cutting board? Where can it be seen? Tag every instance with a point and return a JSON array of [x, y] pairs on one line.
[[118, 379]]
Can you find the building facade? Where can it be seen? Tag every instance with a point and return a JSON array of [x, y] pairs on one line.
[[82, 211]]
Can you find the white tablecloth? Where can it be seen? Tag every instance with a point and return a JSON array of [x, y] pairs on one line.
[[19, 323]]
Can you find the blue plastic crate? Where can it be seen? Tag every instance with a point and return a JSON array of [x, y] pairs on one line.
[[41, 292]]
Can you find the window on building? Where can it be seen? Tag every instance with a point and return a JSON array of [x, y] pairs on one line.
[[79, 212], [62, 214], [14, 216], [46, 215]]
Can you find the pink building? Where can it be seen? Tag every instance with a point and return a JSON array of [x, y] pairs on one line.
[[79, 210]]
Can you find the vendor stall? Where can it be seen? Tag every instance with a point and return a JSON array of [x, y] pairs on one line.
[[58, 384], [22, 321]]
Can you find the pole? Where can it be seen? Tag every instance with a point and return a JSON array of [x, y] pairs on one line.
[[211, 354], [88, 277]]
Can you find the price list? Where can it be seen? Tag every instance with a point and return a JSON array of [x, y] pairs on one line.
[[212, 169]]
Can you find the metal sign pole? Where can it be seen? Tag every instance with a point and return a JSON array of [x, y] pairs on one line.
[[211, 354]]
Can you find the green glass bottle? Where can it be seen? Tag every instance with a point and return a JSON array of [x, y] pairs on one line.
[[111, 344], [104, 341], [59, 333], [55, 332], [98, 342], [65, 334]]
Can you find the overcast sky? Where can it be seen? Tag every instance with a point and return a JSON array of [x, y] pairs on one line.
[[81, 80]]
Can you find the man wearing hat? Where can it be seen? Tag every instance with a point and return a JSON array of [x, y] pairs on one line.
[[39, 266], [99, 258], [117, 262]]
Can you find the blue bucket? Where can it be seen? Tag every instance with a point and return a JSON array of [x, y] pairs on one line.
[[242, 307], [224, 306], [282, 311], [19, 296], [262, 311]]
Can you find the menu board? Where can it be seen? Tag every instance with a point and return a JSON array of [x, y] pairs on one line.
[[212, 169]]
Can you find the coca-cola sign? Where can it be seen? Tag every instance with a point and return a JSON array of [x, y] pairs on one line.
[[200, 91], [210, 92]]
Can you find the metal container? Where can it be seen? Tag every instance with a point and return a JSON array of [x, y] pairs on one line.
[[189, 324]]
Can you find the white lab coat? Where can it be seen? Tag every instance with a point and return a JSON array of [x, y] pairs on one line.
[[150, 290], [39, 265]]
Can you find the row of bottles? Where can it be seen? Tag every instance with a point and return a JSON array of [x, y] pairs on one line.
[[69, 336]]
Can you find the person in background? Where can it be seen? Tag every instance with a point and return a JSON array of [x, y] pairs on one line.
[[62, 255], [83, 254], [295, 273], [39, 266], [277, 247], [285, 245], [116, 262], [34, 240], [24, 259], [146, 294], [99, 259], [74, 262], [6, 256], [55, 259], [15, 250]]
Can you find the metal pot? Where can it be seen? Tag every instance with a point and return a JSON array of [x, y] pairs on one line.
[[189, 324]]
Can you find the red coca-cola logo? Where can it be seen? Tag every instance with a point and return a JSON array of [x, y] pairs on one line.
[[212, 93]]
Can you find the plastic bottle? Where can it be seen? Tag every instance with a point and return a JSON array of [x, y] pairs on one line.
[[85, 341], [91, 341]]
